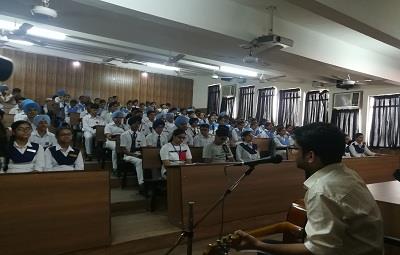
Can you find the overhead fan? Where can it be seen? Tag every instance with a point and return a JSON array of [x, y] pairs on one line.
[[349, 81], [263, 78]]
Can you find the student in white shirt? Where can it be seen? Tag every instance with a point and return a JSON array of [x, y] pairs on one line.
[[246, 150], [282, 141], [157, 138], [237, 132], [192, 130], [131, 142], [204, 138], [30, 110], [175, 152], [358, 148], [24, 156], [169, 124], [107, 114], [89, 124], [42, 135], [63, 157], [181, 122], [112, 131], [342, 215], [147, 122]]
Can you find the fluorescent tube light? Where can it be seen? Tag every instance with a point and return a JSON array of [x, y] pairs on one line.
[[9, 25], [200, 65], [46, 33], [233, 70], [21, 42], [160, 66]]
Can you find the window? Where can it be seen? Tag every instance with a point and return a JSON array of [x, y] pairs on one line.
[[213, 98], [246, 95], [227, 105], [346, 120], [265, 104], [289, 107], [385, 131], [316, 107]]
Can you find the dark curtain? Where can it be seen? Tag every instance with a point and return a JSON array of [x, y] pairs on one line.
[[227, 105], [213, 98], [346, 120], [289, 107], [265, 104], [316, 107], [385, 131], [246, 95]]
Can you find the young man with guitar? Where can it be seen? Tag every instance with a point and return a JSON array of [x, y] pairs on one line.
[[343, 217]]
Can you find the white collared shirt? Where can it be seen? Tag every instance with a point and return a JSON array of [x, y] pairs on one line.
[[151, 139], [88, 122], [47, 140], [243, 155], [113, 129], [15, 110], [36, 164], [201, 141], [354, 153], [20, 116], [52, 165], [126, 139], [343, 217]]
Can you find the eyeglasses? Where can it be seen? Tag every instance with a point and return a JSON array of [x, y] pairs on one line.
[[26, 129]]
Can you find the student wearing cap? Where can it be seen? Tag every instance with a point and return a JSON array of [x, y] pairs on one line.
[[247, 150], [63, 157], [23, 156], [181, 122], [169, 124], [218, 151], [192, 130], [203, 138], [30, 110], [41, 135], [107, 114], [237, 131], [89, 124], [112, 131], [158, 137], [131, 142]]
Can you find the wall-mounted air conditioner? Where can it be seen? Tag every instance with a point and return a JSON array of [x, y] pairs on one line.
[[229, 91], [347, 100]]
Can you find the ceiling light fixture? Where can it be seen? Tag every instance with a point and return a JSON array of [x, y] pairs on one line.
[[215, 76], [238, 71], [21, 42], [9, 25], [76, 64], [200, 65], [46, 33], [160, 66], [144, 74]]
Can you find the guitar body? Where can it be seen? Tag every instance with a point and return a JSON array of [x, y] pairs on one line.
[[292, 229]]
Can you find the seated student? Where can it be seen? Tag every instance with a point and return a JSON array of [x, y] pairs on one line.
[[192, 130], [18, 107], [111, 131], [131, 142], [268, 131], [212, 121], [157, 138], [89, 123], [63, 157], [347, 142], [218, 151], [147, 122], [30, 110], [246, 150], [42, 135], [24, 156], [181, 122], [237, 131], [169, 124], [282, 141], [204, 138], [175, 152], [358, 148]]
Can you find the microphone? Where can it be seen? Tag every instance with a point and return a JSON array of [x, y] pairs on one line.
[[273, 159], [6, 68]]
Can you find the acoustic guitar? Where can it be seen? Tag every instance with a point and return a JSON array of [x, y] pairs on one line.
[[292, 229]]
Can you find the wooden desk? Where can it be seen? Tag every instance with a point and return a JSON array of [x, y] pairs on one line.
[[54, 212], [268, 190], [387, 196]]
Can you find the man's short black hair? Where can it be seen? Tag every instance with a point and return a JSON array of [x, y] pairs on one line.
[[204, 125], [222, 130], [357, 135], [324, 139]]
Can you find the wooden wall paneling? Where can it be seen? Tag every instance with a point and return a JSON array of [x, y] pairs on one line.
[[189, 91], [41, 76]]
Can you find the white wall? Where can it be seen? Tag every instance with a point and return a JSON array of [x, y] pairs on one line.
[[200, 85]]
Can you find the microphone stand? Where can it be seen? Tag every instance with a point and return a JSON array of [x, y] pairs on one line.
[[189, 233]]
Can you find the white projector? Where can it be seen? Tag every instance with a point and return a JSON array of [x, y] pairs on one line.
[[272, 40]]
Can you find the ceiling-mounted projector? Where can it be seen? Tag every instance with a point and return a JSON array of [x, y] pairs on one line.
[[44, 11]]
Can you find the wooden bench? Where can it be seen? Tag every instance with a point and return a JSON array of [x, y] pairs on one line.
[[54, 212]]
